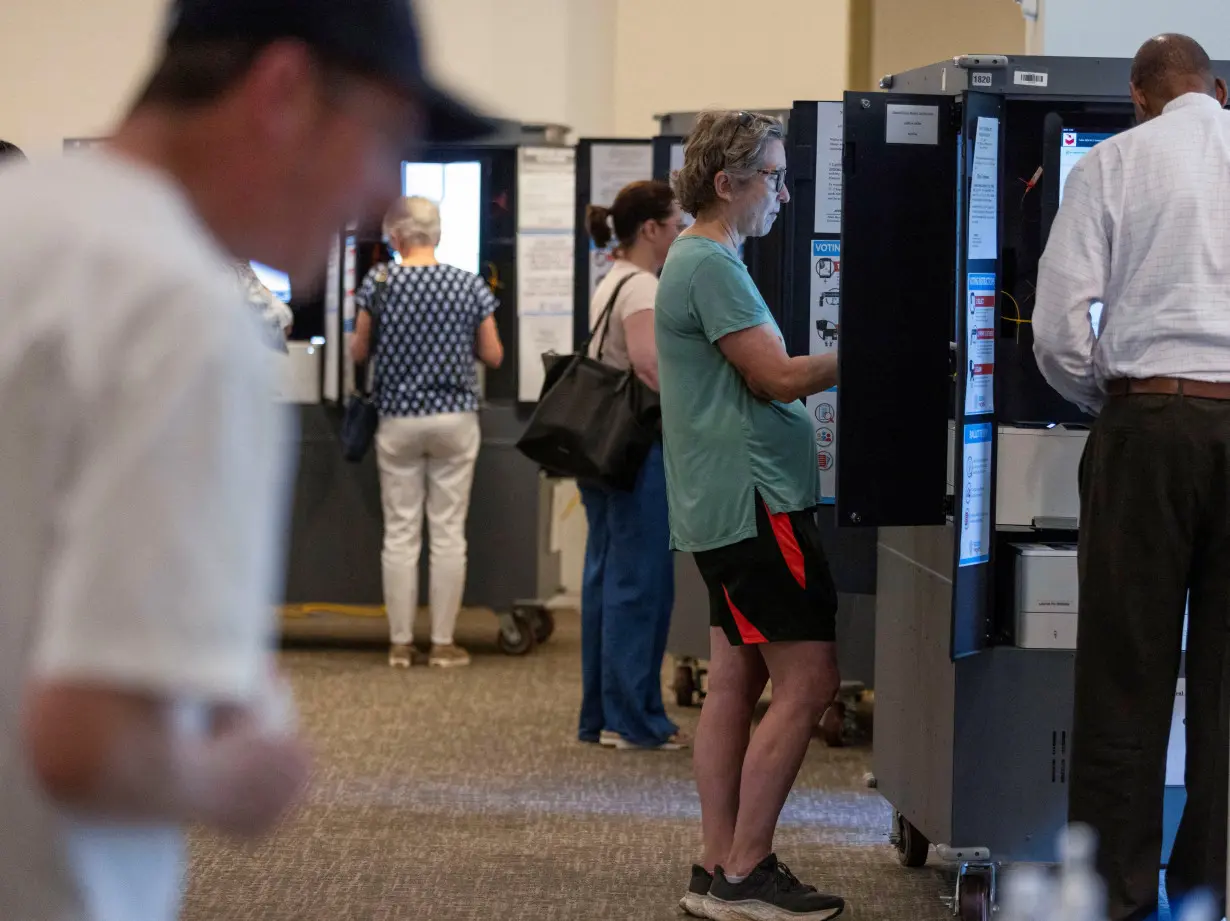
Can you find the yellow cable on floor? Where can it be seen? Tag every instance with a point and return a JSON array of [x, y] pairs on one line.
[[347, 610]]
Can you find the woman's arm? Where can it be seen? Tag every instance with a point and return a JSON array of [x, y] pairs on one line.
[[361, 342], [769, 372], [487, 344], [642, 349]]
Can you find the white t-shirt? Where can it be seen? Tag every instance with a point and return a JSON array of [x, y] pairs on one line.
[[637, 295], [143, 493]]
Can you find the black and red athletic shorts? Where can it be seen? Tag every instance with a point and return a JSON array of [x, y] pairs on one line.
[[775, 587]]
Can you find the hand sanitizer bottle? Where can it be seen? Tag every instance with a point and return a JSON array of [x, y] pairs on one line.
[[1200, 906], [1028, 894], [1082, 894]]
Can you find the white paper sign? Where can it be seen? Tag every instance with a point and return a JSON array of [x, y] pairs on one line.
[[984, 192], [913, 125], [536, 336], [613, 166], [823, 409], [350, 255], [1176, 751], [825, 295], [830, 120], [544, 273], [976, 495], [600, 262], [676, 165], [822, 333], [980, 324], [333, 323], [676, 158], [546, 188]]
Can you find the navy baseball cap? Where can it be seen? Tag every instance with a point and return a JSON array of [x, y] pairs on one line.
[[378, 38]]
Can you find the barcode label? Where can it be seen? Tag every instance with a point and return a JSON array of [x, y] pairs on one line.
[[981, 79], [1029, 78]]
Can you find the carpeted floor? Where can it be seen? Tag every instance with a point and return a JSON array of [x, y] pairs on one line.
[[462, 795]]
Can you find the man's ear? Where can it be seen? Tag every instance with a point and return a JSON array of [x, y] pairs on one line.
[[282, 89], [724, 186], [1220, 91], [1142, 102]]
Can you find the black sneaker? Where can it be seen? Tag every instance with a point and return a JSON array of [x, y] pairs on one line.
[[770, 893], [696, 902]]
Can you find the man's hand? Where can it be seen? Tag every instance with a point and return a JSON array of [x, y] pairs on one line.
[[125, 757], [249, 777]]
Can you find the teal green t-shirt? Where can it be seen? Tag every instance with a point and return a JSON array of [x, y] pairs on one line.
[[722, 443]]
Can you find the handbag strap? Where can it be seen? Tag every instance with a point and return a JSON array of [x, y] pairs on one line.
[[376, 309], [604, 318]]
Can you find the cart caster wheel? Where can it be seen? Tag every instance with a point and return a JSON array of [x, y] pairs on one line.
[[544, 625], [912, 845], [833, 725], [516, 635], [685, 686], [974, 900]]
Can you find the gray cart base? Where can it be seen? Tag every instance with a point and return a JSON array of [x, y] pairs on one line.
[[973, 754]]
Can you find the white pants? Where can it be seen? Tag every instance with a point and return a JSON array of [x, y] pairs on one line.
[[432, 458]]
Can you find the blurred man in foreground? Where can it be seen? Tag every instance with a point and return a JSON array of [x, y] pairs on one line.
[[140, 476]]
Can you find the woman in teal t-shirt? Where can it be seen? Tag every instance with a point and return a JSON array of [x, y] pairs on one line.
[[743, 486]]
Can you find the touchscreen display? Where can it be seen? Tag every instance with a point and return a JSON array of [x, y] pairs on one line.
[[1074, 144], [457, 189]]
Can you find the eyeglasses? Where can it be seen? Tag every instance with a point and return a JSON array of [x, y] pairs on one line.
[[778, 177]]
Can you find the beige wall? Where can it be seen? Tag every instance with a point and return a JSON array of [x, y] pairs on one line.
[[532, 60], [604, 67], [912, 33], [67, 66], [684, 55]]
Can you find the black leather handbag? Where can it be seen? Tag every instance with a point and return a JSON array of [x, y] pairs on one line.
[[593, 422], [360, 419]]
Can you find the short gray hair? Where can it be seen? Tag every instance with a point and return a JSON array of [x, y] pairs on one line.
[[722, 140], [413, 221]]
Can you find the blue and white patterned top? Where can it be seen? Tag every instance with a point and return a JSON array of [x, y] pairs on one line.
[[427, 329]]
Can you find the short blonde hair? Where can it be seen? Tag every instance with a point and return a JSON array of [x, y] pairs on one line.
[[413, 221], [722, 140]]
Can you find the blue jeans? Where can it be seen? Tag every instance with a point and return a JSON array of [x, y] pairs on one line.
[[626, 606]]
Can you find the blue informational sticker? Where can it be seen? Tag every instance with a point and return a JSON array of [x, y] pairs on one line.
[[980, 326], [975, 494], [822, 338]]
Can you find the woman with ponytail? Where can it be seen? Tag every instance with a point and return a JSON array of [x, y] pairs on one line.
[[629, 573]]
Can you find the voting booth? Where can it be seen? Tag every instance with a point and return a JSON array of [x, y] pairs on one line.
[[506, 209], [951, 444]]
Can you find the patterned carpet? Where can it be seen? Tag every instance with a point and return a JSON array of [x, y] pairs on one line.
[[461, 795]]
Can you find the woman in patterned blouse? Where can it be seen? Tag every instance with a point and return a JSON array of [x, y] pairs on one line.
[[433, 320]]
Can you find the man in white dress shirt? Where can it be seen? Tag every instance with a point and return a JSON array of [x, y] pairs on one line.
[[1145, 229], [142, 481]]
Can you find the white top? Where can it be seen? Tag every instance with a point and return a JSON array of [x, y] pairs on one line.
[[143, 500], [1145, 229], [637, 295]]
